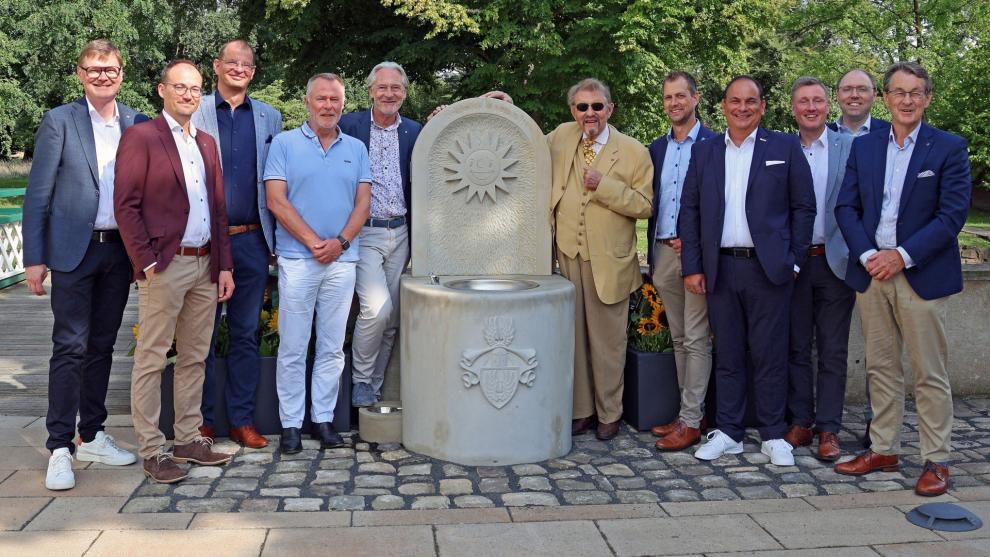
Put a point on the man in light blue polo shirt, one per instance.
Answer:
(318, 183)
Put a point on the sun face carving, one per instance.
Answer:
(480, 165)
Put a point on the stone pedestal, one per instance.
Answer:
(487, 368)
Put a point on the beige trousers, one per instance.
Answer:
(895, 318)
(687, 315)
(599, 345)
(179, 302)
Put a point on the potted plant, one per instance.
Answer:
(651, 395)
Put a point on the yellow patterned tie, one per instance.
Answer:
(589, 151)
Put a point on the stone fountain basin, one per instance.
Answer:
(492, 284)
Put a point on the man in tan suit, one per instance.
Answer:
(602, 183)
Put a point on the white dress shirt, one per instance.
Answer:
(600, 141)
(895, 171)
(817, 156)
(106, 135)
(197, 232)
(735, 227)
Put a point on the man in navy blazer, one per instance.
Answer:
(687, 313)
(384, 246)
(822, 304)
(243, 128)
(855, 94)
(903, 202)
(745, 225)
(69, 227)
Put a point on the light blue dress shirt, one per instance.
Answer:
(675, 165)
(863, 130)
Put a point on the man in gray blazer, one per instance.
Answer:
(243, 128)
(821, 306)
(69, 227)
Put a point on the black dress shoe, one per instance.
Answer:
(291, 440)
(328, 438)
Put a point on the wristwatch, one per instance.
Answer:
(344, 244)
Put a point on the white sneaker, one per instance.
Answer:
(103, 449)
(717, 445)
(60, 474)
(779, 452)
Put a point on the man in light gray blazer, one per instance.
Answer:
(822, 303)
(69, 227)
(243, 128)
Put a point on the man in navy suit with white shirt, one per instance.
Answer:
(902, 204)
(746, 219)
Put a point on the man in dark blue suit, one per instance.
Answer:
(745, 225)
(687, 313)
(903, 202)
(69, 227)
(384, 246)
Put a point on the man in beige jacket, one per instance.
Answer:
(602, 183)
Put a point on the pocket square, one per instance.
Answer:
(774, 163)
(926, 174)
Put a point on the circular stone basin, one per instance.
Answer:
(491, 285)
(384, 409)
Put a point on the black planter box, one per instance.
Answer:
(651, 395)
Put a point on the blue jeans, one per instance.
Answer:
(243, 311)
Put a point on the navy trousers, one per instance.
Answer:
(821, 308)
(750, 317)
(250, 254)
(88, 305)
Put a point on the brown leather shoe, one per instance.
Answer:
(248, 436)
(828, 447)
(798, 436)
(162, 469)
(664, 429)
(681, 438)
(934, 480)
(199, 452)
(868, 462)
(607, 431)
(206, 431)
(581, 425)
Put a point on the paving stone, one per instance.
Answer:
(415, 479)
(415, 469)
(346, 503)
(248, 471)
(681, 495)
(603, 483)
(725, 461)
(796, 478)
(192, 490)
(213, 505)
(473, 502)
(696, 470)
(799, 490)
(337, 464)
(534, 483)
(830, 475)
(587, 497)
(758, 492)
(340, 452)
(417, 489)
(616, 470)
(308, 455)
(561, 464)
(602, 460)
(363, 458)
(305, 504)
(237, 484)
(658, 474)
(370, 491)
(331, 477)
(735, 469)
(711, 481)
(151, 489)
(376, 468)
(461, 486)
(566, 475)
(285, 480)
(881, 486)
(650, 464)
(328, 490)
(398, 454)
(255, 458)
(841, 489)
(493, 485)
(280, 492)
(147, 505)
(680, 459)
(388, 502)
(637, 452)
(529, 499)
(756, 458)
(580, 458)
(637, 496)
(747, 478)
(236, 494)
(857, 527)
(719, 494)
(258, 505)
(574, 485)
(453, 470)
(292, 466)
(490, 472)
(210, 472)
(529, 470)
(374, 481)
(362, 447)
(431, 502)
(588, 469)
(629, 483)
(672, 484)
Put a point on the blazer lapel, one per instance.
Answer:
(834, 154)
(879, 170)
(210, 160)
(918, 157)
(261, 137)
(165, 135)
(718, 167)
(609, 154)
(759, 159)
(84, 127)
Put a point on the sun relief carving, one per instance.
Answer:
(480, 164)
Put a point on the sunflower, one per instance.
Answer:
(273, 322)
(135, 330)
(658, 310)
(648, 326)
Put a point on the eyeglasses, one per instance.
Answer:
(583, 107)
(849, 89)
(898, 94)
(181, 89)
(93, 72)
(237, 64)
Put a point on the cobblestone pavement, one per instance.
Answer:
(627, 469)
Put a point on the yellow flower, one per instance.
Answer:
(273, 322)
(265, 316)
(648, 326)
(135, 330)
(657, 312)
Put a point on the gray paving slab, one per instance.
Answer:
(861, 551)
(219, 543)
(574, 539)
(970, 548)
(15, 512)
(101, 513)
(848, 527)
(393, 541)
(674, 536)
(66, 544)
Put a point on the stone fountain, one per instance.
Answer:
(487, 342)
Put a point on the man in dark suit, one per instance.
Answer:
(687, 313)
(746, 217)
(384, 245)
(169, 203)
(855, 94)
(69, 227)
(903, 202)
(822, 304)
(243, 128)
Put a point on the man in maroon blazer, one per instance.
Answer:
(169, 205)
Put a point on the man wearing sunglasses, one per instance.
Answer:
(69, 227)
(602, 182)
(169, 203)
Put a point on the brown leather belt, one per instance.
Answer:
(816, 250)
(197, 252)
(242, 228)
(667, 241)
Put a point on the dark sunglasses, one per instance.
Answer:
(583, 107)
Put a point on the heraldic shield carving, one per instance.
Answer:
(499, 369)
